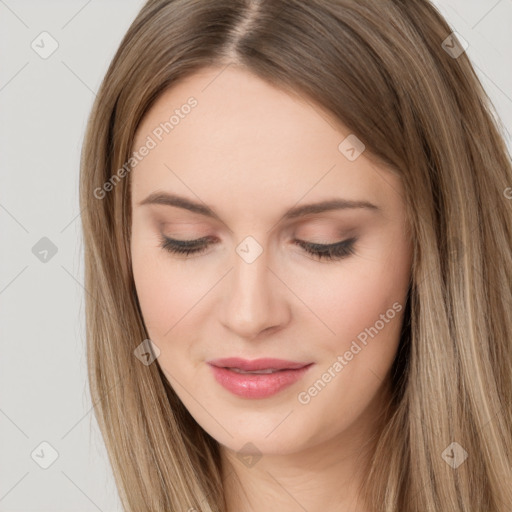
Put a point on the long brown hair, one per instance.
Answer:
(388, 70)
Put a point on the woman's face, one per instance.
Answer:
(254, 156)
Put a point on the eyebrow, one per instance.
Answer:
(164, 198)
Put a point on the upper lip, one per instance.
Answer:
(256, 364)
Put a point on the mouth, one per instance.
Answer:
(260, 378)
(257, 372)
(256, 365)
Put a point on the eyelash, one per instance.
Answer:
(330, 252)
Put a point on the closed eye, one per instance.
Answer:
(335, 251)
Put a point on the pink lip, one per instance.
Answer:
(257, 385)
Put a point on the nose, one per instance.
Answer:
(255, 299)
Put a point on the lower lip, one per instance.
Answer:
(252, 385)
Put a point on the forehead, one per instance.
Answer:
(237, 109)
(244, 142)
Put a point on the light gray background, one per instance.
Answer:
(44, 104)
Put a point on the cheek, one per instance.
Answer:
(363, 309)
(354, 299)
(163, 291)
(361, 301)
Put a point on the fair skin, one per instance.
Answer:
(251, 152)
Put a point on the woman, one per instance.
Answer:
(298, 253)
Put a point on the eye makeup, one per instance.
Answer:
(331, 252)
